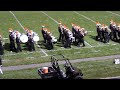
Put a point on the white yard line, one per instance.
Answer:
(58, 22)
(84, 17)
(116, 77)
(17, 19)
(88, 44)
(24, 30)
(50, 17)
(112, 13)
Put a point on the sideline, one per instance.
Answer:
(20, 67)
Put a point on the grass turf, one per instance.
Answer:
(90, 69)
(35, 19)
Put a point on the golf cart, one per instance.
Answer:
(55, 72)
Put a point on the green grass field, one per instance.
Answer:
(90, 69)
(35, 19)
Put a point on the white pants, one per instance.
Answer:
(1, 70)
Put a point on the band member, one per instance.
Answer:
(118, 28)
(60, 29)
(11, 38)
(43, 30)
(18, 42)
(115, 32)
(111, 23)
(74, 31)
(99, 31)
(49, 44)
(80, 37)
(31, 43)
(67, 40)
(106, 34)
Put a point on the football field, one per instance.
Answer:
(18, 20)
(34, 21)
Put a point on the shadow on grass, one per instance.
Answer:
(93, 37)
(117, 41)
(59, 45)
(7, 46)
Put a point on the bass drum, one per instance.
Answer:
(23, 38)
(36, 38)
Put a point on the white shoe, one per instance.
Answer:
(1, 71)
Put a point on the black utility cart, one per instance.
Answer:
(55, 71)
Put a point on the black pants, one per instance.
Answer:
(81, 40)
(60, 37)
(18, 47)
(67, 43)
(31, 47)
(12, 46)
(44, 37)
(49, 45)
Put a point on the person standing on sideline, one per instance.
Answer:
(1, 53)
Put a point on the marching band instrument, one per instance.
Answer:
(53, 39)
(36, 38)
(23, 38)
(71, 36)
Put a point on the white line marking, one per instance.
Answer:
(17, 19)
(58, 22)
(113, 13)
(88, 44)
(44, 52)
(88, 52)
(50, 17)
(116, 77)
(84, 16)
(24, 30)
(89, 31)
(5, 38)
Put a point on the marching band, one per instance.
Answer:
(30, 38)
(105, 33)
(66, 37)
